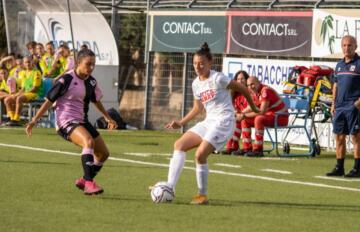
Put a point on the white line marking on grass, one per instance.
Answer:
(337, 178)
(191, 168)
(145, 154)
(278, 158)
(276, 171)
(227, 165)
(137, 154)
(186, 161)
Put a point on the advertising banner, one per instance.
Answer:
(329, 26)
(51, 26)
(269, 71)
(273, 73)
(186, 33)
(269, 33)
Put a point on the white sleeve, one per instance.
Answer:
(195, 93)
(222, 80)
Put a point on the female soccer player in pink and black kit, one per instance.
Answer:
(72, 94)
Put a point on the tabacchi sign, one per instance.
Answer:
(269, 33)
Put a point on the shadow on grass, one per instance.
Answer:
(33, 162)
(223, 203)
(307, 206)
(147, 144)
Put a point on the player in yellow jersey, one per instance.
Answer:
(48, 67)
(14, 72)
(31, 89)
(66, 60)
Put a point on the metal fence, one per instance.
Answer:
(168, 92)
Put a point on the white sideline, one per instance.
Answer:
(338, 178)
(227, 165)
(191, 168)
(276, 171)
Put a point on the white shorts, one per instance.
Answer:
(215, 131)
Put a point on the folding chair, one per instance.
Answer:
(299, 111)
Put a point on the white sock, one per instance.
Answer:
(177, 163)
(202, 173)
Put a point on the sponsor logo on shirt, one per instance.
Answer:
(92, 82)
(352, 68)
(207, 95)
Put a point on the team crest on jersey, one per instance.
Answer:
(352, 68)
(92, 82)
(207, 95)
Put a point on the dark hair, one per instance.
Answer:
(84, 53)
(18, 56)
(84, 46)
(50, 43)
(246, 75)
(204, 51)
(31, 44)
(3, 67)
(64, 46)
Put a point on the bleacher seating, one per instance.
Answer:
(141, 5)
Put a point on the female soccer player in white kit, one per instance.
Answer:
(211, 91)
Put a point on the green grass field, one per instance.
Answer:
(37, 190)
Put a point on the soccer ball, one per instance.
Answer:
(162, 193)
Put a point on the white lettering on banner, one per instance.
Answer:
(268, 29)
(186, 28)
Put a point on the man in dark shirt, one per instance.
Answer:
(346, 106)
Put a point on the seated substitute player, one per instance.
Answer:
(49, 68)
(31, 89)
(269, 103)
(7, 84)
(211, 91)
(66, 60)
(72, 95)
(240, 104)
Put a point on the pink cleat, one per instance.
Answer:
(80, 183)
(92, 188)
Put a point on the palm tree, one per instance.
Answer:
(325, 32)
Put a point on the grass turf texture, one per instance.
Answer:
(38, 194)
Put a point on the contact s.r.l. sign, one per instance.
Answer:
(269, 33)
(187, 31)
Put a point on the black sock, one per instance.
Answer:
(357, 164)
(88, 163)
(96, 169)
(340, 163)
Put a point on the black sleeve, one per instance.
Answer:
(91, 84)
(59, 88)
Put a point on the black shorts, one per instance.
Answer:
(66, 131)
